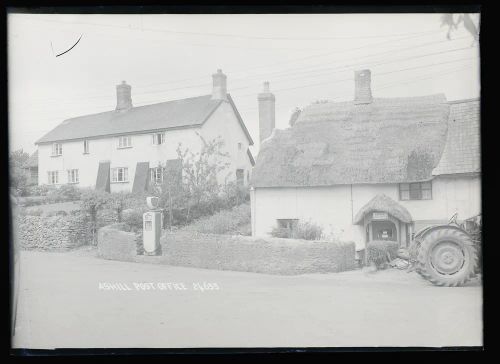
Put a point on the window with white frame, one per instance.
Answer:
(86, 147)
(53, 177)
(125, 141)
(157, 175)
(415, 191)
(119, 174)
(56, 149)
(158, 138)
(73, 176)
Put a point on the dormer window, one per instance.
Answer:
(158, 138)
(56, 149)
(125, 142)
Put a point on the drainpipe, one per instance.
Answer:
(252, 209)
(352, 208)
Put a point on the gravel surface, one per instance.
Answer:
(66, 300)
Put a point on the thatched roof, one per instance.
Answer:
(462, 153)
(387, 141)
(383, 203)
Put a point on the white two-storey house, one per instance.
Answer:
(124, 149)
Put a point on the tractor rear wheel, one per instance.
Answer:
(447, 257)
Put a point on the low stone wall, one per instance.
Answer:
(114, 244)
(52, 232)
(237, 253)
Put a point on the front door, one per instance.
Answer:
(384, 230)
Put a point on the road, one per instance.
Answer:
(64, 303)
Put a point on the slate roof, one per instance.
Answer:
(390, 140)
(184, 113)
(462, 153)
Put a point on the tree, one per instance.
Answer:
(295, 115)
(117, 201)
(91, 202)
(449, 21)
(190, 182)
(19, 177)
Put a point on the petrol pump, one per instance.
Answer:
(152, 224)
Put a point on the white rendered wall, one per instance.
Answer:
(334, 207)
(222, 122)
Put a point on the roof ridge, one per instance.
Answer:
(461, 101)
(136, 107)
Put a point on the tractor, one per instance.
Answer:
(447, 255)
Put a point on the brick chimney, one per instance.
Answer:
(362, 87)
(219, 91)
(266, 112)
(123, 97)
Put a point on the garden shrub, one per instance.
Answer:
(64, 193)
(381, 252)
(280, 232)
(56, 213)
(33, 211)
(122, 226)
(305, 230)
(41, 190)
(233, 221)
(133, 218)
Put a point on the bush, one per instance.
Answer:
(64, 193)
(279, 232)
(33, 211)
(57, 213)
(33, 200)
(234, 221)
(305, 230)
(41, 190)
(381, 252)
(121, 226)
(133, 218)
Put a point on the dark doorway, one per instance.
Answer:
(384, 230)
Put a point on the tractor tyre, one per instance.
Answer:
(447, 257)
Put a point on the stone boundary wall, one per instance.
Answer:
(236, 253)
(52, 232)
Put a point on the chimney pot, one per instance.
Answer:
(219, 90)
(123, 97)
(362, 87)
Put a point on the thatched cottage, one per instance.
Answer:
(371, 168)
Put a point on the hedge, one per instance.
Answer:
(237, 253)
(381, 252)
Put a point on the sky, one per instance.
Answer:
(304, 57)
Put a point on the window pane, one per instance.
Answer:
(404, 186)
(426, 185)
(405, 195)
(415, 194)
(426, 194)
